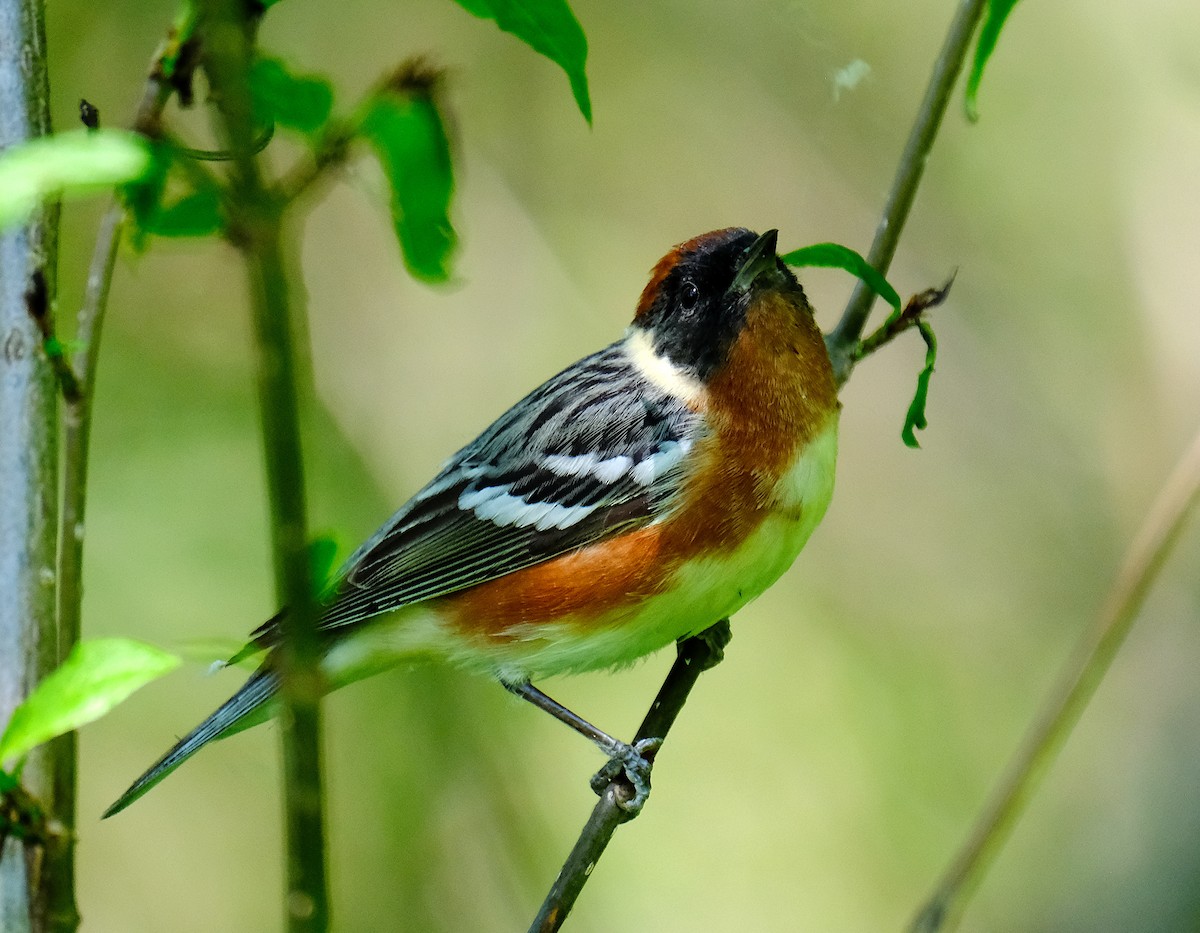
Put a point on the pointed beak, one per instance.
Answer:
(759, 258)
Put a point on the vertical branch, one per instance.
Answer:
(177, 57)
(36, 888)
(77, 421)
(255, 227)
(844, 338)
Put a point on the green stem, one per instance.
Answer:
(843, 339)
(256, 229)
(77, 421)
(277, 383)
(1070, 695)
(77, 425)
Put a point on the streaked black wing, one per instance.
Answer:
(595, 451)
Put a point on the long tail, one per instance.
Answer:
(231, 717)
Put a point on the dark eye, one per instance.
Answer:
(689, 296)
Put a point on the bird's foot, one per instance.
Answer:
(633, 762)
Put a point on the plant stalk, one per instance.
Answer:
(256, 215)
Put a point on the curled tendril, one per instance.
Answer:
(228, 155)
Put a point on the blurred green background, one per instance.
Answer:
(819, 779)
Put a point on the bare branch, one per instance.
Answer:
(843, 339)
(694, 656)
(1070, 695)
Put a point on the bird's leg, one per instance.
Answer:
(634, 760)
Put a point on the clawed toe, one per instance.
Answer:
(634, 763)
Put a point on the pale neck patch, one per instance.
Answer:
(658, 369)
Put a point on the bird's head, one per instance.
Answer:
(702, 293)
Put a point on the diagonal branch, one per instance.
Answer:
(694, 656)
(1065, 704)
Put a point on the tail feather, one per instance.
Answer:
(231, 717)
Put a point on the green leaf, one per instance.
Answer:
(212, 652)
(915, 419)
(195, 214)
(408, 136)
(989, 33)
(322, 551)
(298, 102)
(143, 198)
(95, 677)
(549, 28)
(68, 164)
(836, 256)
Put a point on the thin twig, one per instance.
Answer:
(77, 423)
(911, 316)
(173, 58)
(255, 228)
(843, 339)
(695, 655)
(330, 151)
(37, 302)
(1070, 695)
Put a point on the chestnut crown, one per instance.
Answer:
(695, 304)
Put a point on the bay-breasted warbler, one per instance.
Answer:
(642, 494)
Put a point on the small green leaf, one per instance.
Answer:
(410, 140)
(989, 33)
(143, 198)
(95, 677)
(298, 102)
(836, 256)
(322, 551)
(212, 652)
(195, 214)
(68, 164)
(915, 419)
(549, 28)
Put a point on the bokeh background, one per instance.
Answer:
(819, 779)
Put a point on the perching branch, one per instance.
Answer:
(694, 656)
(1066, 701)
(843, 340)
(255, 218)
